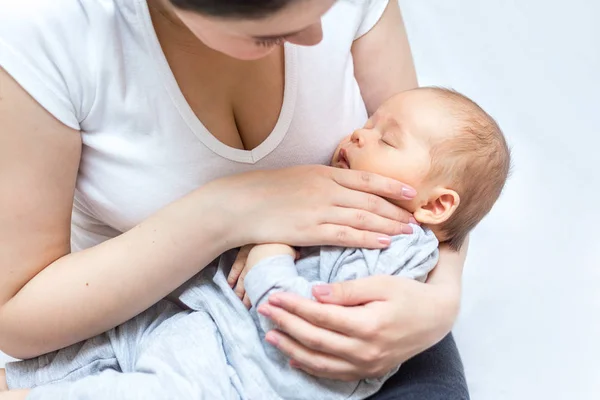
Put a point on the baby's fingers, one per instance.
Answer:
(235, 272)
(246, 301)
(239, 289)
(238, 265)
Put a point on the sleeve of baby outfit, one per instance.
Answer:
(40, 43)
(411, 256)
(271, 275)
(373, 10)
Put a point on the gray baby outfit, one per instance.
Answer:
(202, 343)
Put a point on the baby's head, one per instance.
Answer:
(442, 144)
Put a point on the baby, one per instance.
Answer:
(205, 343)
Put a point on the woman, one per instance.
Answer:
(117, 114)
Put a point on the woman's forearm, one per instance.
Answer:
(447, 276)
(86, 293)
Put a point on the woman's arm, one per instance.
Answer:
(388, 319)
(383, 62)
(50, 298)
(393, 72)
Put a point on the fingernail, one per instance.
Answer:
(294, 364)
(272, 338)
(264, 310)
(274, 300)
(384, 240)
(407, 229)
(322, 290)
(412, 220)
(409, 193)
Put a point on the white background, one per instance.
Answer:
(530, 320)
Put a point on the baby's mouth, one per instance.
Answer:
(343, 159)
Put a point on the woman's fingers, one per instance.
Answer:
(373, 183)
(346, 375)
(354, 292)
(368, 221)
(319, 364)
(300, 317)
(340, 235)
(374, 204)
(311, 336)
(358, 327)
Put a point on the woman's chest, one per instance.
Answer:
(238, 101)
(144, 150)
(145, 145)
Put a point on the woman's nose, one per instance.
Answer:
(310, 36)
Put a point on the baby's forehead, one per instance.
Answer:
(421, 98)
(422, 110)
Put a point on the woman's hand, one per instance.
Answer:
(369, 326)
(311, 205)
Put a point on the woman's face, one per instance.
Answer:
(250, 39)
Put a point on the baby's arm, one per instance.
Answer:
(261, 252)
(272, 269)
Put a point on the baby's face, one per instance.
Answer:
(396, 141)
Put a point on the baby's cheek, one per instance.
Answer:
(335, 156)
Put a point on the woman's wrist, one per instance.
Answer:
(217, 214)
(225, 208)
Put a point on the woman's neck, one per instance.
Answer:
(171, 31)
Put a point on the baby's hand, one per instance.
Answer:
(247, 258)
(262, 251)
(235, 278)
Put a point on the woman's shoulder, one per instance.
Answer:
(56, 28)
(51, 18)
(52, 48)
(37, 41)
(354, 18)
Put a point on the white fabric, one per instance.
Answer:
(530, 320)
(98, 66)
(529, 324)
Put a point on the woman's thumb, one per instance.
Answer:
(351, 293)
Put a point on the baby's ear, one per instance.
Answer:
(440, 207)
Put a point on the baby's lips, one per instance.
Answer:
(343, 157)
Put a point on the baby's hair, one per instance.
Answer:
(476, 160)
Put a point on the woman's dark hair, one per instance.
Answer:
(233, 8)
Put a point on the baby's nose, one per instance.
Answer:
(363, 136)
(357, 137)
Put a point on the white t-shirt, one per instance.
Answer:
(97, 66)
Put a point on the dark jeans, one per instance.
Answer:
(435, 374)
